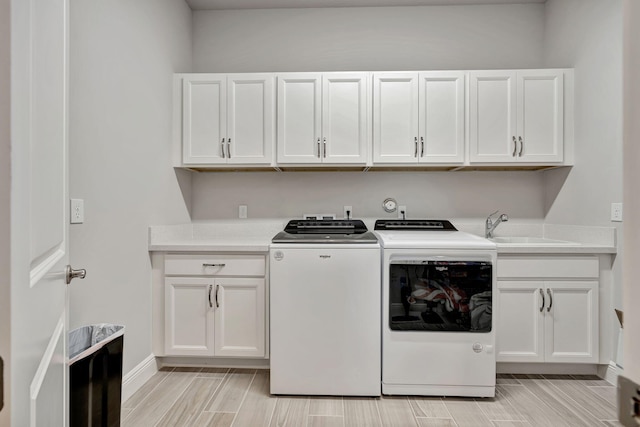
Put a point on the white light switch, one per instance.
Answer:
(242, 211)
(77, 211)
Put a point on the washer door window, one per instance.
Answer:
(440, 296)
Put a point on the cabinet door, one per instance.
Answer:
(540, 116)
(441, 117)
(240, 319)
(189, 317)
(395, 118)
(299, 115)
(204, 117)
(571, 323)
(345, 135)
(250, 121)
(492, 117)
(520, 334)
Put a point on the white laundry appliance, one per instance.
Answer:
(325, 302)
(438, 310)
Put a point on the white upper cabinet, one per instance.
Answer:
(516, 116)
(322, 118)
(395, 117)
(227, 119)
(418, 117)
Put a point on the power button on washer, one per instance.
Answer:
(477, 347)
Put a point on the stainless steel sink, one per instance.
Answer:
(531, 241)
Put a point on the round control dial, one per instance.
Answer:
(390, 205)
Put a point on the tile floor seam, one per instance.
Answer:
(170, 405)
(576, 402)
(243, 398)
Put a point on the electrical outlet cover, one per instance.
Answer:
(76, 213)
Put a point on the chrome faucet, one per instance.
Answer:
(490, 225)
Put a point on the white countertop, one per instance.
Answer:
(254, 235)
(215, 236)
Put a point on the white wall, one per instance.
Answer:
(123, 56)
(334, 39)
(426, 194)
(375, 38)
(587, 35)
(5, 186)
(631, 180)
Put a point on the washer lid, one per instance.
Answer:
(447, 239)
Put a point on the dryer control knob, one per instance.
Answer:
(477, 347)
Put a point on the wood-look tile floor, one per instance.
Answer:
(240, 397)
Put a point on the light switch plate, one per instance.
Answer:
(242, 211)
(77, 211)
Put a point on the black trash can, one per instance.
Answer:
(95, 375)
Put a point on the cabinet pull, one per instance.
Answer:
(324, 146)
(222, 147)
(543, 300)
(550, 300)
(318, 147)
(515, 146)
(422, 146)
(521, 146)
(213, 265)
(217, 289)
(229, 148)
(415, 153)
(210, 304)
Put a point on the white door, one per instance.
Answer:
(239, 317)
(520, 311)
(204, 118)
(540, 116)
(441, 117)
(571, 323)
(299, 115)
(39, 209)
(345, 135)
(250, 118)
(492, 116)
(395, 118)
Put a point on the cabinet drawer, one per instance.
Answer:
(577, 267)
(214, 265)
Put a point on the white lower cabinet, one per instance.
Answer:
(214, 315)
(548, 309)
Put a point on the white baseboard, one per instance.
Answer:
(135, 378)
(610, 372)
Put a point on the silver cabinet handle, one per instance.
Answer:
(210, 287)
(521, 146)
(229, 148)
(213, 265)
(550, 300)
(415, 153)
(515, 146)
(422, 146)
(318, 147)
(217, 289)
(71, 274)
(324, 146)
(222, 147)
(543, 300)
